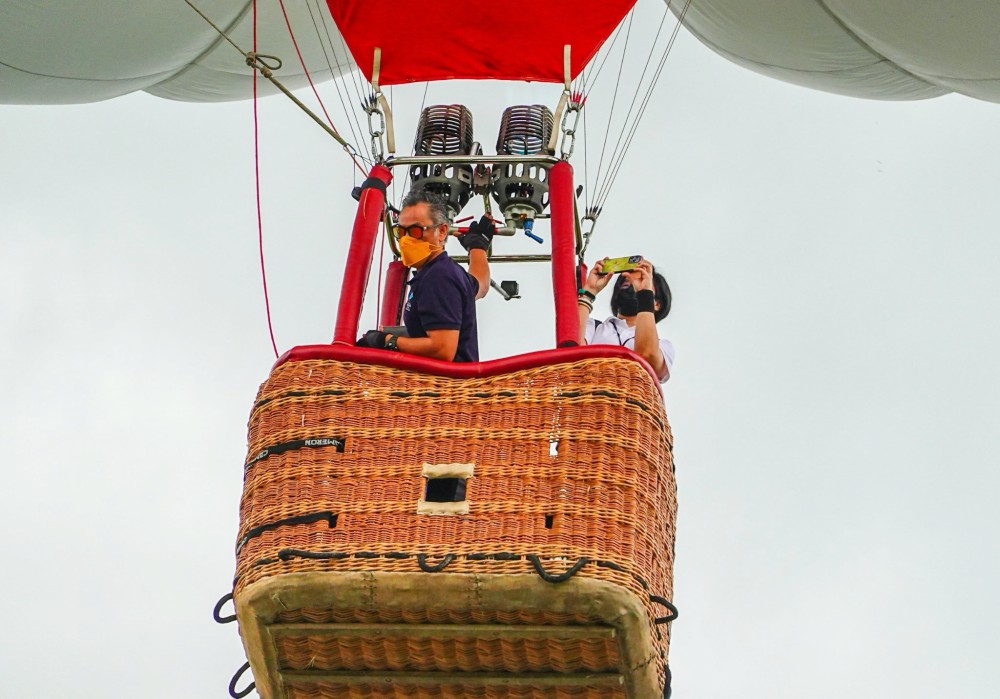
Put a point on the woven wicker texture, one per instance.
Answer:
(334, 691)
(571, 468)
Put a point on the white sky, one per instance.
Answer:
(834, 400)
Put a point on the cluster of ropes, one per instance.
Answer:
(351, 87)
(596, 191)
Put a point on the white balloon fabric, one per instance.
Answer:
(59, 52)
(56, 51)
(879, 49)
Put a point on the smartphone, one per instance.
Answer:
(620, 264)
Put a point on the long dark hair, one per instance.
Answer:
(661, 290)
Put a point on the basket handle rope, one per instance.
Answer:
(422, 562)
(666, 603)
(228, 597)
(561, 577)
(236, 678)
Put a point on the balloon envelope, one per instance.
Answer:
(55, 52)
(450, 39)
(880, 49)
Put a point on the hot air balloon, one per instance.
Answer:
(544, 568)
(503, 528)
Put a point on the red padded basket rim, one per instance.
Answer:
(463, 370)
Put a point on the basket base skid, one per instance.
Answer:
(578, 613)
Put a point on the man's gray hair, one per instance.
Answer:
(437, 205)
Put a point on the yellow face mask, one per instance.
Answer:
(414, 250)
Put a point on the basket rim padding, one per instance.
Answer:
(464, 370)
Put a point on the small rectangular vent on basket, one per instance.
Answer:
(445, 489)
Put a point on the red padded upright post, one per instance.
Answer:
(366, 223)
(564, 269)
(392, 294)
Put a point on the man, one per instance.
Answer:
(641, 299)
(440, 312)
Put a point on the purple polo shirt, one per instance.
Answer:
(443, 297)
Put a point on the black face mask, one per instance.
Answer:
(623, 299)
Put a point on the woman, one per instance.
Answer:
(640, 299)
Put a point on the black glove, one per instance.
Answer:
(479, 236)
(372, 338)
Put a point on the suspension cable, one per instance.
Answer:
(635, 96)
(341, 69)
(583, 85)
(260, 224)
(260, 63)
(604, 59)
(614, 98)
(381, 266)
(586, 175)
(354, 79)
(360, 89)
(647, 98)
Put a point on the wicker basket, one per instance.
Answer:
(405, 534)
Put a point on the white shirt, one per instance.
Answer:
(615, 331)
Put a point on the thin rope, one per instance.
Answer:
(423, 100)
(635, 96)
(649, 93)
(350, 69)
(614, 98)
(392, 108)
(260, 223)
(584, 84)
(351, 122)
(381, 261)
(586, 176)
(604, 59)
(359, 87)
(305, 70)
(257, 63)
(222, 33)
(407, 182)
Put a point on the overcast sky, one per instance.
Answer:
(834, 401)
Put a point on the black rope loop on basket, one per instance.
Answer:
(236, 678)
(666, 603)
(288, 554)
(561, 577)
(228, 597)
(328, 516)
(422, 562)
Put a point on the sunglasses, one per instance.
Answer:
(414, 230)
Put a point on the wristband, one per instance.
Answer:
(646, 300)
(584, 292)
(390, 343)
(584, 302)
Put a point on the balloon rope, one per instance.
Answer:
(381, 262)
(258, 63)
(352, 119)
(256, 165)
(305, 70)
(645, 102)
(628, 112)
(618, 82)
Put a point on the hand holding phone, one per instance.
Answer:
(620, 264)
